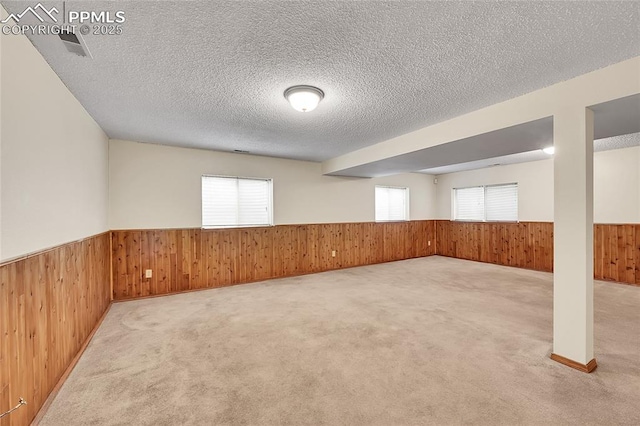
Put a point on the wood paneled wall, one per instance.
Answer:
(616, 252)
(530, 245)
(50, 303)
(525, 244)
(189, 259)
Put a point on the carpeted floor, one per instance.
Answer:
(423, 341)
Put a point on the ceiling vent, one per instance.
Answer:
(74, 43)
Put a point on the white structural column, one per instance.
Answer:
(573, 238)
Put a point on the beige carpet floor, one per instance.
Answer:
(423, 341)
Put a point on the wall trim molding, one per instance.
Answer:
(585, 368)
(11, 260)
(199, 228)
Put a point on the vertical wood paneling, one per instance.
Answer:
(617, 252)
(191, 259)
(49, 304)
(637, 255)
(529, 245)
(524, 244)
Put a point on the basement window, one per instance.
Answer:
(229, 202)
(488, 203)
(392, 204)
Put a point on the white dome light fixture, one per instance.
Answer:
(549, 150)
(304, 98)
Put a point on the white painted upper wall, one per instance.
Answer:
(54, 171)
(535, 188)
(155, 186)
(616, 187)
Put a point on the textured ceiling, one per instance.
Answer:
(524, 137)
(607, 144)
(211, 74)
(616, 125)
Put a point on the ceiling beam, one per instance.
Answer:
(613, 82)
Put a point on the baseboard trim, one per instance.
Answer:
(585, 368)
(54, 392)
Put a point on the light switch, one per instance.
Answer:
(148, 273)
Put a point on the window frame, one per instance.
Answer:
(270, 206)
(407, 202)
(484, 219)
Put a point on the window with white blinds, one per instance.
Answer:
(469, 203)
(491, 203)
(235, 202)
(392, 204)
(501, 202)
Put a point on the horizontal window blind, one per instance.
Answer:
(486, 203)
(501, 202)
(469, 203)
(392, 204)
(234, 201)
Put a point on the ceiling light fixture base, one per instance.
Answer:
(304, 98)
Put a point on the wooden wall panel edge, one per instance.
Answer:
(199, 228)
(110, 266)
(22, 257)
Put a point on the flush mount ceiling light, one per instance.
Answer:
(549, 150)
(304, 98)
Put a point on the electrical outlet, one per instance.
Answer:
(333, 253)
(148, 273)
(429, 243)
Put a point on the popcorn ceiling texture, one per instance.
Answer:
(212, 74)
(617, 142)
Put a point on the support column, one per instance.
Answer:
(573, 239)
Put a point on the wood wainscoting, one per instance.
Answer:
(50, 303)
(524, 244)
(616, 252)
(189, 259)
(530, 245)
